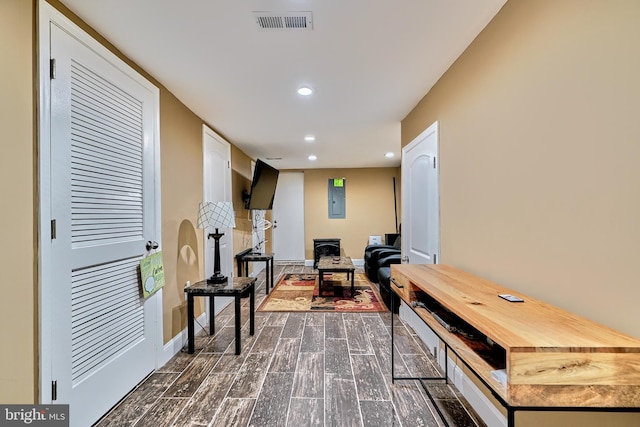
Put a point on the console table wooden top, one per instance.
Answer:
(531, 325)
(553, 357)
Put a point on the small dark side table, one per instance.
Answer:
(244, 258)
(238, 287)
(329, 264)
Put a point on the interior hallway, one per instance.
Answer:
(298, 369)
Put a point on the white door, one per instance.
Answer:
(288, 217)
(102, 212)
(217, 188)
(420, 199)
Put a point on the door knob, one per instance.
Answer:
(151, 245)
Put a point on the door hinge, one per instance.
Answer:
(435, 258)
(54, 390)
(228, 164)
(52, 68)
(434, 162)
(53, 229)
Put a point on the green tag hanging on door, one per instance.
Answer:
(152, 274)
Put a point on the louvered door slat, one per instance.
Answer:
(96, 276)
(86, 132)
(97, 166)
(85, 184)
(97, 227)
(92, 144)
(104, 294)
(86, 335)
(129, 159)
(127, 165)
(96, 325)
(85, 76)
(105, 349)
(90, 118)
(84, 178)
(111, 103)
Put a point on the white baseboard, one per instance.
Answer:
(176, 344)
(489, 413)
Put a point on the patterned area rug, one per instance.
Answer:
(299, 292)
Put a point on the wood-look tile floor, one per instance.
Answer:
(298, 369)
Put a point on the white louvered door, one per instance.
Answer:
(102, 173)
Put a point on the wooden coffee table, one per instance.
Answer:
(335, 264)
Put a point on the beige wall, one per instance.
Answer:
(539, 157)
(18, 305)
(181, 179)
(369, 207)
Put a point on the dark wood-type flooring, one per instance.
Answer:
(298, 369)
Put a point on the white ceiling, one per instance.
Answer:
(369, 61)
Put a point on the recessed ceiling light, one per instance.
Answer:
(309, 138)
(389, 155)
(305, 91)
(312, 157)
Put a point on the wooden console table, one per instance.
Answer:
(551, 360)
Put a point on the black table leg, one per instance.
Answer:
(252, 304)
(190, 337)
(266, 279)
(238, 323)
(212, 310)
(352, 284)
(271, 262)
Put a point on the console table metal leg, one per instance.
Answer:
(393, 376)
(190, 334)
(446, 364)
(238, 323)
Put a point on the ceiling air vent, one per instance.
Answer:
(284, 20)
